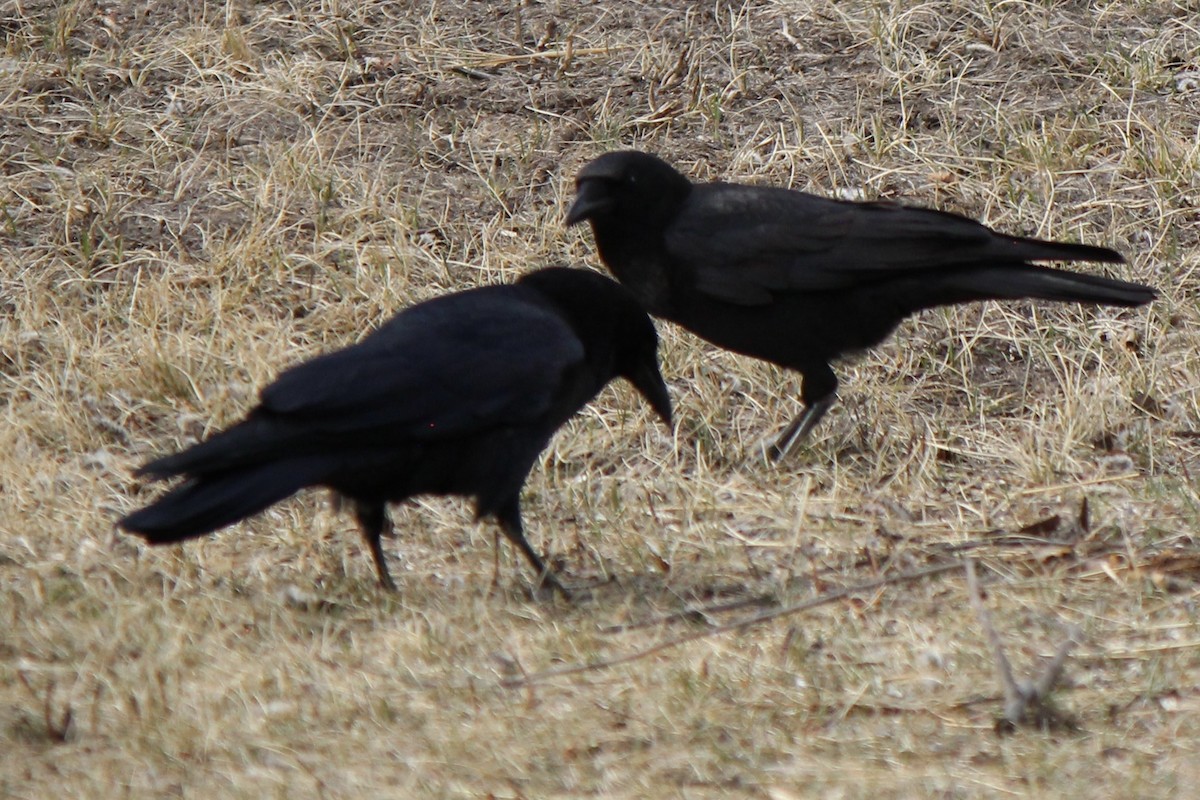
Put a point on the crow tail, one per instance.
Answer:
(1045, 283)
(208, 503)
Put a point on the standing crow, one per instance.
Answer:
(454, 396)
(799, 280)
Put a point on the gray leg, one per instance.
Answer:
(819, 393)
(374, 521)
(509, 517)
(800, 427)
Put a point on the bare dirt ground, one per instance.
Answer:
(196, 195)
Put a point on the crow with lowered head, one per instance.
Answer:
(454, 396)
(799, 280)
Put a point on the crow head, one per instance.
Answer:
(637, 189)
(619, 338)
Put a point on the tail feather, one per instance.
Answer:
(251, 442)
(1043, 283)
(205, 504)
(1042, 250)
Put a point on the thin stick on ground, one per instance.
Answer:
(701, 613)
(1025, 702)
(694, 614)
(825, 599)
(566, 53)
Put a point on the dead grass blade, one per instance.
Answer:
(565, 54)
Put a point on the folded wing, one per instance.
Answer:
(451, 367)
(746, 243)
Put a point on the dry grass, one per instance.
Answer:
(196, 195)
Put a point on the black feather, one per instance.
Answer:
(799, 280)
(457, 395)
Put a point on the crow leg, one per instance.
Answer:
(799, 428)
(819, 393)
(509, 517)
(374, 522)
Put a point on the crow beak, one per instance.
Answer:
(649, 381)
(590, 199)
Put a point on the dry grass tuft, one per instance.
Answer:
(197, 195)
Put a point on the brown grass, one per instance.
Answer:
(197, 195)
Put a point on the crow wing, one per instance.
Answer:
(449, 367)
(746, 243)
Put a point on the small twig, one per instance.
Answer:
(1054, 670)
(1062, 487)
(701, 613)
(825, 599)
(696, 613)
(1012, 692)
(567, 53)
(1025, 702)
(59, 729)
(470, 72)
(787, 34)
(1007, 540)
(1141, 652)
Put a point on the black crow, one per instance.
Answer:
(799, 280)
(454, 396)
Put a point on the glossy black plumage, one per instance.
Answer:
(456, 396)
(799, 280)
